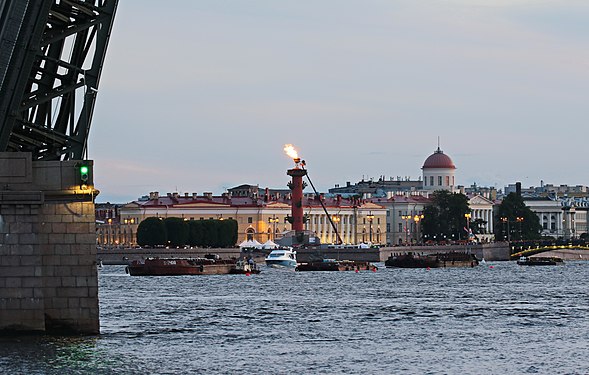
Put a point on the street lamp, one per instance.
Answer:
(467, 216)
(127, 239)
(520, 220)
(273, 220)
(336, 219)
(406, 218)
(417, 219)
(110, 237)
(505, 220)
(370, 217)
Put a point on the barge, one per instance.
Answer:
(188, 266)
(336, 265)
(539, 261)
(439, 260)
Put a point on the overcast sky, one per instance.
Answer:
(202, 95)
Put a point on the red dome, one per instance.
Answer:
(438, 160)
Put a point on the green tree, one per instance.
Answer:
(478, 226)
(227, 235)
(177, 230)
(195, 233)
(515, 220)
(210, 233)
(152, 232)
(444, 219)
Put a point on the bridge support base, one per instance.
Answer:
(48, 276)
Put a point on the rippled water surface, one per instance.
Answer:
(495, 319)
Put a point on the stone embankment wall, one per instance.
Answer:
(493, 251)
(48, 277)
(489, 251)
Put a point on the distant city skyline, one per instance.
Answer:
(202, 96)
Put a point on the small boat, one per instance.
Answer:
(188, 266)
(439, 260)
(282, 258)
(539, 261)
(336, 265)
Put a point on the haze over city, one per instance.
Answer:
(203, 96)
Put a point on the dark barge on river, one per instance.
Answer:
(438, 260)
(189, 266)
(336, 265)
(539, 261)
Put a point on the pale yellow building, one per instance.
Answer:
(266, 218)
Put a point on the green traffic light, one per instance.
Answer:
(84, 169)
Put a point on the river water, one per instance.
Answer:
(498, 318)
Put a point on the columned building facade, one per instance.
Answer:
(355, 220)
(482, 217)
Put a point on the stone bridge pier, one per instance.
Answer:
(48, 276)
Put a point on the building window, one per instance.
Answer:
(250, 220)
(388, 227)
(447, 180)
(378, 220)
(400, 213)
(388, 213)
(400, 227)
(439, 180)
(431, 180)
(425, 181)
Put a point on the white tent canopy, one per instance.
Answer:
(269, 245)
(250, 244)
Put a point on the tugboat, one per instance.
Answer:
(539, 261)
(282, 258)
(188, 266)
(439, 260)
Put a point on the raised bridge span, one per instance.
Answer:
(51, 57)
(577, 249)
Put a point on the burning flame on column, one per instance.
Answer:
(292, 153)
(296, 187)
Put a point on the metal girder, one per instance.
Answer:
(51, 58)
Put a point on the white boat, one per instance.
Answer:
(282, 258)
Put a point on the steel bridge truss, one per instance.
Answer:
(51, 57)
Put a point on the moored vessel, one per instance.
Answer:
(188, 266)
(282, 258)
(539, 261)
(439, 260)
(336, 265)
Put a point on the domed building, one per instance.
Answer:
(438, 172)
